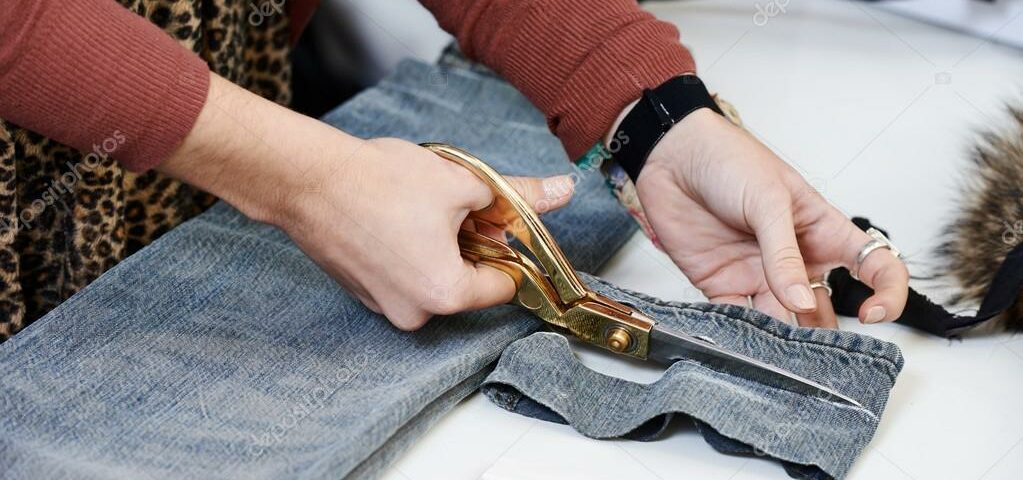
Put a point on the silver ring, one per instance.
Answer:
(822, 283)
(878, 240)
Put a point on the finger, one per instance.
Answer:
(766, 302)
(480, 286)
(889, 279)
(824, 316)
(469, 191)
(544, 194)
(406, 317)
(371, 305)
(485, 228)
(783, 263)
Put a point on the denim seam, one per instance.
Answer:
(811, 343)
(746, 321)
(757, 328)
(821, 347)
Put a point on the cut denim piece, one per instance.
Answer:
(540, 377)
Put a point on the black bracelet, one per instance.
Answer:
(650, 119)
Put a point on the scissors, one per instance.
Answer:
(558, 296)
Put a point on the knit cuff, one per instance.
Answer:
(614, 75)
(97, 77)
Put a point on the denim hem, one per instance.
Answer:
(869, 348)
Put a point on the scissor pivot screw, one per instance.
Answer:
(618, 339)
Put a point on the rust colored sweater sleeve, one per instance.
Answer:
(579, 61)
(83, 71)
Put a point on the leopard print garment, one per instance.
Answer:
(62, 225)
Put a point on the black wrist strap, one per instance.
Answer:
(657, 111)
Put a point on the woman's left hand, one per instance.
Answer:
(740, 223)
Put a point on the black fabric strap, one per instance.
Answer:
(923, 314)
(656, 112)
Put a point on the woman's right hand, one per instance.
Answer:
(379, 216)
(384, 224)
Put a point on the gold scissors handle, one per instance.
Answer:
(554, 293)
(510, 206)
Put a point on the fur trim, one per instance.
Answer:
(990, 220)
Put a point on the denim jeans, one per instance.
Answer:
(221, 351)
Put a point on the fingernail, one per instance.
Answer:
(801, 297)
(875, 314)
(557, 187)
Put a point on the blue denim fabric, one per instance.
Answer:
(221, 351)
(538, 376)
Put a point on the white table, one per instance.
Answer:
(877, 111)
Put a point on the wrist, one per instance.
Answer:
(621, 116)
(617, 123)
(686, 138)
(254, 154)
(652, 116)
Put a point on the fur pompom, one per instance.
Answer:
(990, 220)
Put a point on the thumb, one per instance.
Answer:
(783, 263)
(544, 194)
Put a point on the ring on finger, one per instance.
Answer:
(822, 283)
(878, 240)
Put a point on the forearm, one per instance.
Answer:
(581, 62)
(253, 153)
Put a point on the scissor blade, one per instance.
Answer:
(668, 346)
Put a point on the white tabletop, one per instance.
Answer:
(878, 112)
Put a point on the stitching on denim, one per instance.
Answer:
(758, 328)
(688, 306)
(869, 356)
(814, 344)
